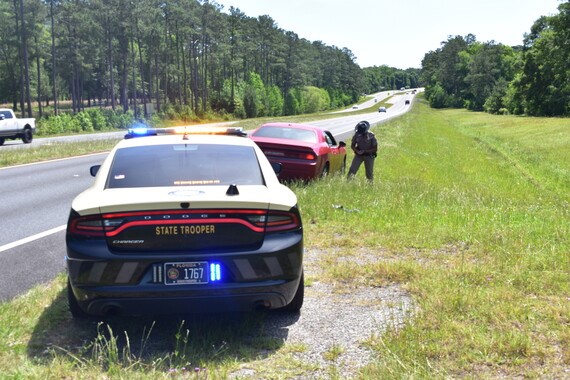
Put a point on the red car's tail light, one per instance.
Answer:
(311, 156)
(307, 156)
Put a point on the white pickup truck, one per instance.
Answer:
(13, 128)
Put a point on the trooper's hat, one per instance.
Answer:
(362, 127)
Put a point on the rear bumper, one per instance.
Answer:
(259, 297)
(105, 283)
(296, 170)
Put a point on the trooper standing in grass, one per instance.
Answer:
(365, 146)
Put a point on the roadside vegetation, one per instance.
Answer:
(101, 121)
(531, 79)
(469, 213)
(190, 58)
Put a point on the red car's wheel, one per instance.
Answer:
(325, 171)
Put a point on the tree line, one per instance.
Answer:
(183, 58)
(189, 59)
(532, 79)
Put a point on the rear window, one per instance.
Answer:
(184, 165)
(287, 133)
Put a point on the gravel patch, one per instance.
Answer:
(332, 327)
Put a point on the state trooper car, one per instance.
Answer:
(184, 220)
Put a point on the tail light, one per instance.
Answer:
(282, 221)
(108, 225)
(85, 226)
(298, 155)
(274, 221)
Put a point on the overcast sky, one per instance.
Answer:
(399, 33)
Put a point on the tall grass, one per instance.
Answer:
(468, 212)
(471, 212)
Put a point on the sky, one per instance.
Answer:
(398, 33)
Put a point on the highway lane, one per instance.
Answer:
(34, 206)
(343, 127)
(36, 197)
(35, 201)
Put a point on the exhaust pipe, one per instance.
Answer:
(111, 310)
(261, 305)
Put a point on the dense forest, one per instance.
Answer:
(192, 59)
(183, 58)
(532, 79)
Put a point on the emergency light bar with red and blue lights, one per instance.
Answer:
(184, 130)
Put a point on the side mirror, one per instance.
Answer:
(277, 166)
(2, 117)
(94, 170)
(342, 144)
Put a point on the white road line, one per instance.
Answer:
(32, 238)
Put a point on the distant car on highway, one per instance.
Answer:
(12, 127)
(407, 101)
(184, 223)
(305, 152)
(354, 107)
(382, 109)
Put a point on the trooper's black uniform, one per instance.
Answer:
(365, 146)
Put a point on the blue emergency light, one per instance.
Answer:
(141, 131)
(215, 272)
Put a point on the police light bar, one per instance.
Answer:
(185, 130)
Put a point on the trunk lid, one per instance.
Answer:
(198, 219)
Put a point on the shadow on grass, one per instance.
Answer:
(164, 341)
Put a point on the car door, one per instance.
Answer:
(335, 155)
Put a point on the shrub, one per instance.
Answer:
(84, 122)
(98, 120)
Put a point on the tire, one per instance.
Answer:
(27, 136)
(74, 309)
(297, 303)
(325, 171)
(2, 139)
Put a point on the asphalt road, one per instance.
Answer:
(35, 201)
(34, 205)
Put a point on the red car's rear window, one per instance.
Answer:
(287, 133)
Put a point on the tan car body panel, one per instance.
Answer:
(94, 200)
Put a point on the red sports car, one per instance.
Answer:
(305, 152)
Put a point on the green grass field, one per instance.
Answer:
(469, 213)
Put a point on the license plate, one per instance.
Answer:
(186, 273)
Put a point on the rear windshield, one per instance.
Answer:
(287, 133)
(184, 165)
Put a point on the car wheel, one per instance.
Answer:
(28, 136)
(297, 303)
(2, 141)
(325, 171)
(74, 308)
